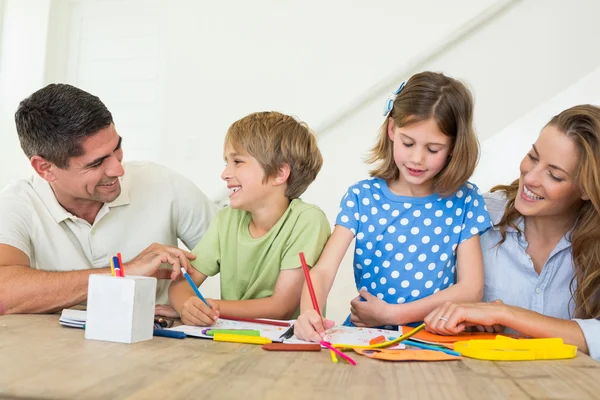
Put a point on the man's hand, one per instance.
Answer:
(195, 312)
(371, 312)
(148, 262)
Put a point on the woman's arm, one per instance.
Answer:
(452, 318)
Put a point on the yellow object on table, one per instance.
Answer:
(508, 349)
(225, 337)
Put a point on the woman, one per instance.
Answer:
(542, 257)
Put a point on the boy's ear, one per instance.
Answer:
(283, 173)
(44, 168)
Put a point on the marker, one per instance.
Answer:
(169, 334)
(223, 337)
(121, 264)
(115, 262)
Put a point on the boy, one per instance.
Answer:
(271, 158)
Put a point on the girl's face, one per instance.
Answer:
(547, 184)
(421, 151)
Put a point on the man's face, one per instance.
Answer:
(93, 175)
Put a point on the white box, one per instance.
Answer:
(120, 309)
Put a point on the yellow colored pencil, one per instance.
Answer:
(112, 267)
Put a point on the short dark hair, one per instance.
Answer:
(53, 122)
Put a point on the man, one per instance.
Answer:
(83, 206)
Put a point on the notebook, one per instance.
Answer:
(73, 318)
(336, 335)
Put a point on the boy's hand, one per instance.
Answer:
(372, 311)
(195, 312)
(311, 327)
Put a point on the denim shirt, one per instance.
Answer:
(510, 275)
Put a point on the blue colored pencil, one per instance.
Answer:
(430, 347)
(193, 285)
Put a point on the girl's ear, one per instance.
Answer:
(391, 129)
(283, 173)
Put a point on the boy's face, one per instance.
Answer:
(248, 189)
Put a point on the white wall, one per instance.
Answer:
(176, 74)
(22, 66)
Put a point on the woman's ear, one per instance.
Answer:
(391, 129)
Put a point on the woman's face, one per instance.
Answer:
(547, 184)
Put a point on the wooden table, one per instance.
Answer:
(41, 359)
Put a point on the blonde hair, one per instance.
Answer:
(581, 124)
(449, 102)
(275, 139)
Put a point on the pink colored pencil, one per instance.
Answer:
(338, 352)
(311, 290)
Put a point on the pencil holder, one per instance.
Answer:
(120, 309)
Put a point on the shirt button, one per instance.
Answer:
(538, 290)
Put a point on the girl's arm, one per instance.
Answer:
(310, 326)
(323, 273)
(468, 288)
(526, 322)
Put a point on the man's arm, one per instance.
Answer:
(27, 290)
(281, 305)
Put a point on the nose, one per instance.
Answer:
(416, 156)
(226, 175)
(115, 168)
(531, 177)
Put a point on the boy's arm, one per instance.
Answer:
(281, 305)
(468, 288)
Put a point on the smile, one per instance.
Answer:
(233, 190)
(530, 195)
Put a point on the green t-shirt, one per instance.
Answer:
(250, 267)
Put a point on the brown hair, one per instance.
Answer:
(275, 139)
(449, 102)
(581, 124)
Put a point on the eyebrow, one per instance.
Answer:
(553, 166)
(428, 144)
(232, 155)
(100, 159)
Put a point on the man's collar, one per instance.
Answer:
(44, 190)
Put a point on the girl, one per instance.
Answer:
(416, 220)
(542, 258)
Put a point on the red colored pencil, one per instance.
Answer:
(311, 290)
(257, 321)
(121, 264)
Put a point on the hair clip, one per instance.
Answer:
(389, 102)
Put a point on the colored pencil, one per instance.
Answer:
(337, 352)
(193, 285)
(311, 290)
(121, 264)
(257, 321)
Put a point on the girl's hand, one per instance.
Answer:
(371, 312)
(453, 318)
(310, 326)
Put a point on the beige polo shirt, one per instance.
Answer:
(155, 205)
